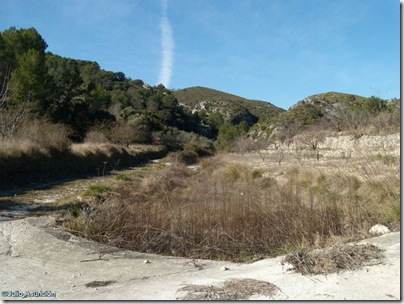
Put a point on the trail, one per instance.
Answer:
(45, 198)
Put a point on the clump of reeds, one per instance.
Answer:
(225, 211)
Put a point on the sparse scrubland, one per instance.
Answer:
(224, 209)
(244, 178)
(40, 151)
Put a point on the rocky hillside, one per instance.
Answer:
(329, 106)
(338, 112)
(232, 107)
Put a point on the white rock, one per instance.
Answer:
(287, 266)
(379, 230)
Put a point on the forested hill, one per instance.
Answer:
(81, 95)
(84, 97)
(39, 85)
(232, 107)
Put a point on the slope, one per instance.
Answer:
(232, 107)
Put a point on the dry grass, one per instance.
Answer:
(334, 259)
(228, 211)
(23, 162)
(235, 289)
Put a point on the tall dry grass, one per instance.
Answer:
(229, 211)
(41, 151)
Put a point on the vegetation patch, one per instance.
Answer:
(225, 211)
(235, 289)
(94, 284)
(334, 259)
(97, 189)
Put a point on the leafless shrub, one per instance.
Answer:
(123, 133)
(10, 118)
(225, 211)
(235, 289)
(96, 137)
(10, 121)
(334, 259)
(44, 134)
(298, 151)
(244, 144)
(184, 157)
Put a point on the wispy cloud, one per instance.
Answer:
(167, 44)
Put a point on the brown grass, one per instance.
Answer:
(226, 211)
(235, 289)
(334, 259)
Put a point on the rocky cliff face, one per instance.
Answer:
(367, 143)
(344, 146)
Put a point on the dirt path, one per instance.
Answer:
(43, 199)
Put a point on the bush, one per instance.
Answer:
(95, 137)
(44, 135)
(184, 157)
(126, 134)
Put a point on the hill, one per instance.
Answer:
(233, 108)
(331, 107)
(334, 111)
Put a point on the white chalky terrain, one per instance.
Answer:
(36, 255)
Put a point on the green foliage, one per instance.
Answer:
(301, 115)
(97, 189)
(215, 120)
(122, 177)
(14, 43)
(228, 133)
(217, 101)
(200, 145)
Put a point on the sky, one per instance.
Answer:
(279, 51)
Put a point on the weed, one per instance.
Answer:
(97, 189)
(257, 173)
(122, 177)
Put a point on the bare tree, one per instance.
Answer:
(311, 140)
(244, 144)
(298, 149)
(280, 155)
(10, 119)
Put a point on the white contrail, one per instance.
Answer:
(167, 44)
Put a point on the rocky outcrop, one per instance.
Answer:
(370, 143)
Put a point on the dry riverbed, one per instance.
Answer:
(36, 254)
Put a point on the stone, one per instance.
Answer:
(379, 230)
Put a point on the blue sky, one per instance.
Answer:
(279, 51)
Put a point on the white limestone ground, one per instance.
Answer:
(35, 255)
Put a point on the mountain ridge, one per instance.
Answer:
(231, 106)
